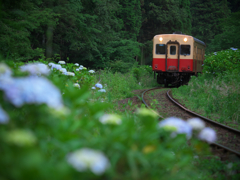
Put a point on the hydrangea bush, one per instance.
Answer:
(222, 61)
(50, 129)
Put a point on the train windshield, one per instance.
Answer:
(185, 50)
(172, 50)
(160, 48)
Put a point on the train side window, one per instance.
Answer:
(172, 50)
(185, 50)
(160, 48)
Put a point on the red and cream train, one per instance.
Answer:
(176, 57)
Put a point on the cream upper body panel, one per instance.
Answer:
(165, 38)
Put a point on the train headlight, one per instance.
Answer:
(160, 39)
(185, 39)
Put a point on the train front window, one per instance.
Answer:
(160, 48)
(185, 50)
(172, 50)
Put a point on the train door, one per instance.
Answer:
(172, 57)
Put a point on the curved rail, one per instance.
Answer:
(210, 121)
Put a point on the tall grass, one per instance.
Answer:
(215, 97)
(120, 85)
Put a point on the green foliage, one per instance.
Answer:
(230, 36)
(219, 62)
(206, 16)
(37, 140)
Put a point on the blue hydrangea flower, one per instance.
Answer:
(208, 134)
(35, 69)
(31, 90)
(98, 85)
(178, 125)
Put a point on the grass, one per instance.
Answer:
(214, 97)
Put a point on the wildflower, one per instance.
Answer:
(20, 137)
(146, 112)
(102, 90)
(98, 85)
(81, 66)
(76, 85)
(63, 70)
(3, 116)
(208, 134)
(76, 64)
(31, 90)
(5, 71)
(180, 126)
(85, 158)
(110, 119)
(93, 88)
(215, 53)
(61, 62)
(196, 123)
(77, 69)
(91, 71)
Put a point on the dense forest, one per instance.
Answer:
(103, 33)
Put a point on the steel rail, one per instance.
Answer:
(211, 121)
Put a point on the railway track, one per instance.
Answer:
(225, 146)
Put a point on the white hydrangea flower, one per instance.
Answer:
(61, 62)
(69, 73)
(178, 125)
(98, 85)
(102, 90)
(63, 70)
(81, 66)
(91, 71)
(5, 71)
(93, 88)
(110, 119)
(4, 118)
(215, 53)
(77, 69)
(76, 64)
(196, 123)
(146, 112)
(208, 134)
(76, 85)
(31, 90)
(87, 159)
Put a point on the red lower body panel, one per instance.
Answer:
(185, 65)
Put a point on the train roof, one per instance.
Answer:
(195, 39)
